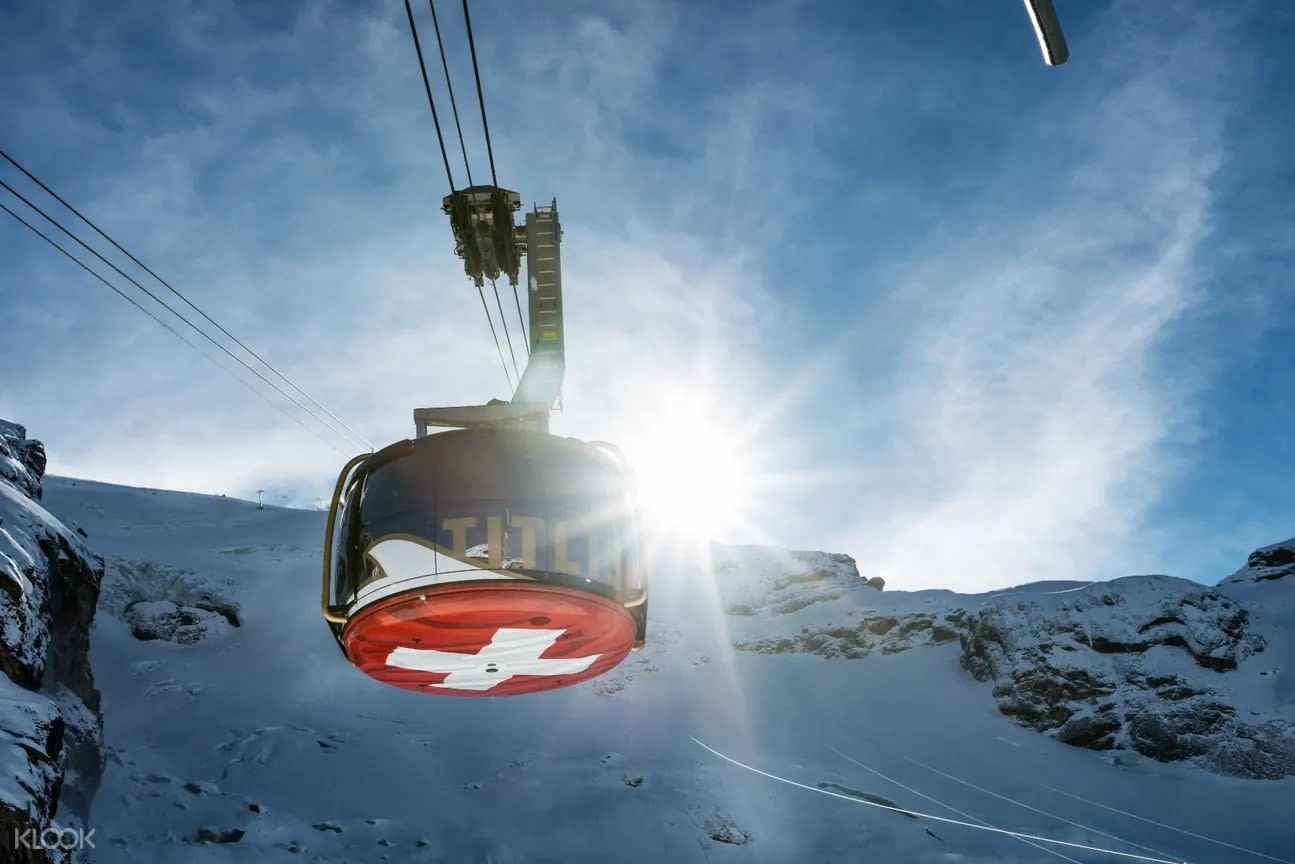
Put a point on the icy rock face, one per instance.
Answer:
(50, 726)
(781, 581)
(818, 603)
(1267, 565)
(887, 634)
(22, 462)
(1143, 663)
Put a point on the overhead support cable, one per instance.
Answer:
(481, 99)
(78, 262)
(169, 308)
(482, 294)
(526, 340)
(427, 87)
(440, 46)
(59, 198)
(490, 152)
(507, 336)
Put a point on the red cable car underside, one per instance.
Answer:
(489, 638)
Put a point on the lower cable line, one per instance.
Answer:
(177, 334)
(323, 421)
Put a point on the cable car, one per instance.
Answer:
(495, 558)
(485, 561)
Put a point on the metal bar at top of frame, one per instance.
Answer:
(1046, 26)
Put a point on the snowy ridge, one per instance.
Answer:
(1266, 564)
(1158, 666)
(257, 742)
(1147, 665)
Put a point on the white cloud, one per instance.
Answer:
(1035, 422)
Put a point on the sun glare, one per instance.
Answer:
(692, 476)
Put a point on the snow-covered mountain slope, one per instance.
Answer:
(237, 732)
(50, 744)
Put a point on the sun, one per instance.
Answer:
(693, 475)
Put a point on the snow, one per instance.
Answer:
(259, 743)
(23, 603)
(25, 722)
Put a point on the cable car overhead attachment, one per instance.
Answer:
(485, 237)
(540, 385)
(1048, 29)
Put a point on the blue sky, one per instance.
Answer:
(971, 319)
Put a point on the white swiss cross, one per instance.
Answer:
(512, 651)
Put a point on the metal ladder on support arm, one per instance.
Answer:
(540, 386)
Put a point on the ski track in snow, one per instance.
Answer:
(1168, 827)
(948, 807)
(1096, 831)
(981, 827)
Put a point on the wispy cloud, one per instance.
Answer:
(982, 399)
(1036, 419)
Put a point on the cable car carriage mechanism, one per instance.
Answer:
(494, 558)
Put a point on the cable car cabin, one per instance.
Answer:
(485, 562)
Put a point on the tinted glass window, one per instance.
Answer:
(507, 500)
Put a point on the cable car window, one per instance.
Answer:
(401, 492)
(553, 508)
(490, 533)
(346, 582)
(585, 539)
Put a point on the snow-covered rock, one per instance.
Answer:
(1142, 663)
(817, 603)
(50, 727)
(173, 604)
(1159, 666)
(769, 580)
(1267, 564)
(22, 461)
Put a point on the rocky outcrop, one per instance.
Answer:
(22, 462)
(886, 634)
(1267, 564)
(818, 603)
(781, 581)
(50, 726)
(1141, 663)
(169, 603)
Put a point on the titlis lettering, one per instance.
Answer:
(53, 839)
(532, 528)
